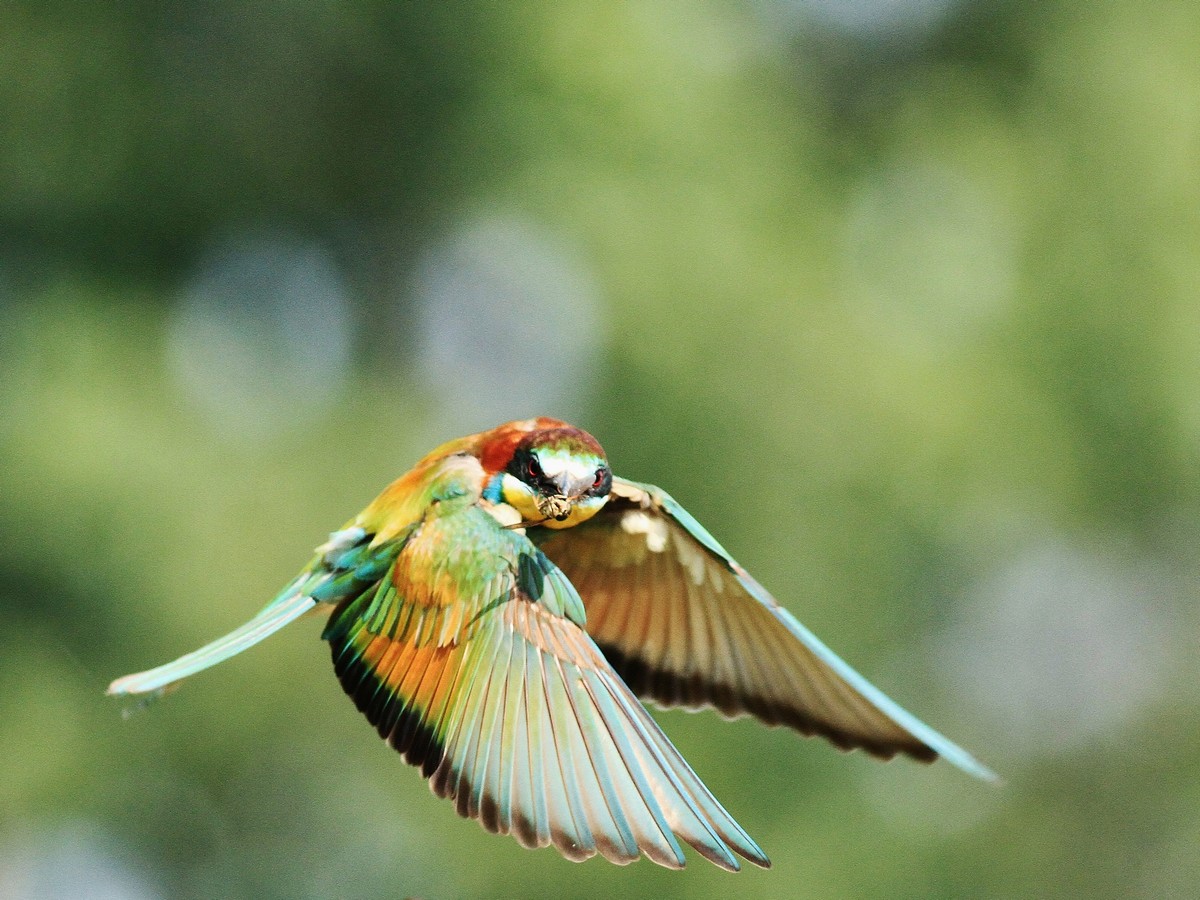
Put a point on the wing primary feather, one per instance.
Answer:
(584, 792)
(347, 649)
(427, 747)
(715, 822)
(700, 656)
(572, 836)
(646, 633)
(440, 709)
(836, 712)
(473, 737)
(485, 730)
(627, 609)
(448, 781)
(371, 685)
(493, 796)
(621, 847)
(932, 739)
(466, 743)
(655, 836)
(408, 712)
(829, 696)
(745, 665)
(687, 819)
(806, 683)
(513, 788)
(539, 828)
(384, 698)
(395, 705)
(345, 633)
(727, 673)
(664, 631)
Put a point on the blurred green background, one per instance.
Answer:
(900, 297)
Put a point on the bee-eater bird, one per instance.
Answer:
(497, 611)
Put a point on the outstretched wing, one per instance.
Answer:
(684, 624)
(470, 660)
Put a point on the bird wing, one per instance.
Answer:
(470, 660)
(684, 624)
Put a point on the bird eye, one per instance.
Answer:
(599, 479)
(534, 467)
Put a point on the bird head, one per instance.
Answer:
(550, 472)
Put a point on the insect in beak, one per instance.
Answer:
(554, 506)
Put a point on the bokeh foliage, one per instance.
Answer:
(907, 316)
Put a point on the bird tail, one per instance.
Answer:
(345, 566)
(290, 605)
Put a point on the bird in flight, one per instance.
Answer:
(497, 612)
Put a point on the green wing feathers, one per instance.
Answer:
(482, 676)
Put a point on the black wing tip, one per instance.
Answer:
(759, 860)
(397, 721)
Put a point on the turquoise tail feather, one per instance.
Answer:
(278, 613)
(345, 566)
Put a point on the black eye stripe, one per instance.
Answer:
(526, 468)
